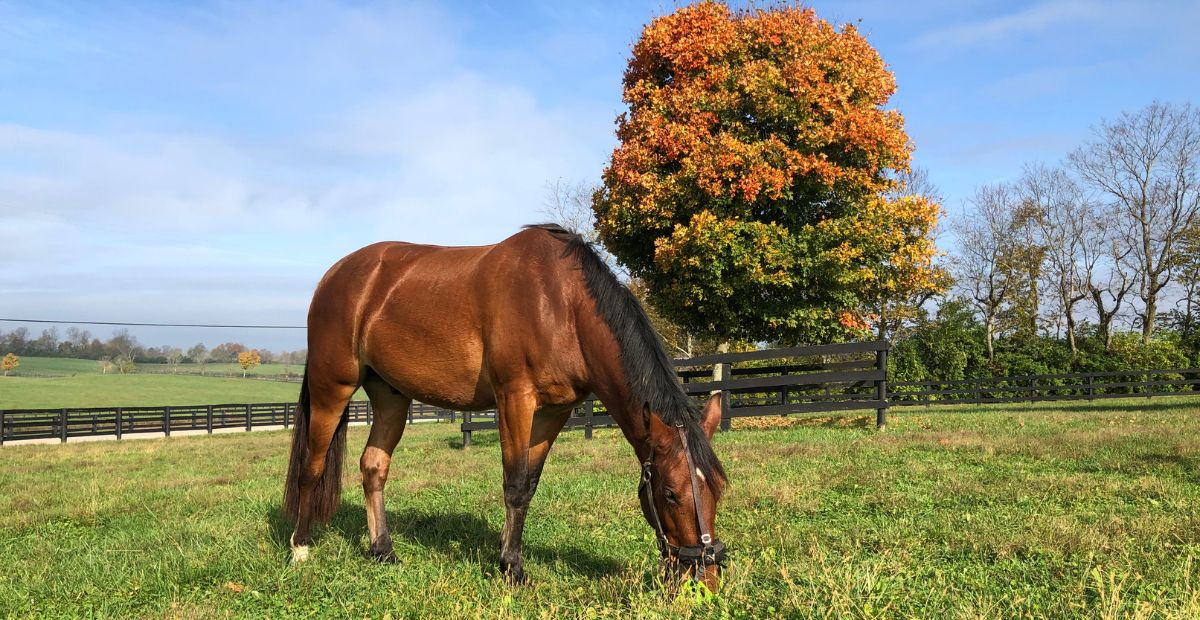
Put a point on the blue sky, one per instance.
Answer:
(206, 162)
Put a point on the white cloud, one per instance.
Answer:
(1033, 20)
(467, 151)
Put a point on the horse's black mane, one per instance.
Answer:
(651, 376)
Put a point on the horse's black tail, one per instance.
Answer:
(328, 490)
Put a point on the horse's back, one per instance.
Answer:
(443, 324)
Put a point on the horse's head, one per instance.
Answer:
(680, 486)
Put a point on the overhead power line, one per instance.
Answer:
(118, 323)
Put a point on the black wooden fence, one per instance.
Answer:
(65, 423)
(774, 382)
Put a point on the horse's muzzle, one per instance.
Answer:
(700, 556)
(694, 560)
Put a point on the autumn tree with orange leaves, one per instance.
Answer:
(248, 360)
(758, 186)
(10, 363)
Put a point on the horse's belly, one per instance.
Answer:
(457, 385)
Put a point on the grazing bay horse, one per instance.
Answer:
(531, 326)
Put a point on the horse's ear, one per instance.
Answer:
(710, 418)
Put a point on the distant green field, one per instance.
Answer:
(56, 365)
(67, 366)
(96, 390)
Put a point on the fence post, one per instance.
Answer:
(120, 421)
(62, 422)
(722, 372)
(589, 408)
(1091, 391)
(167, 421)
(1149, 388)
(466, 432)
(3, 429)
(783, 391)
(978, 381)
(881, 389)
(247, 417)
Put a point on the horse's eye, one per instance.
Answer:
(670, 496)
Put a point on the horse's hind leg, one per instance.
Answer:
(317, 456)
(391, 414)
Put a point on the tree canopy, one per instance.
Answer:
(754, 189)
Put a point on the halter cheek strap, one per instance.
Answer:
(710, 551)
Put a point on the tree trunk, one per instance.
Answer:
(991, 351)
(1071, 330)
(1151, 314)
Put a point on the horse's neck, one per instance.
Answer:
(611, 387)
(607, 379)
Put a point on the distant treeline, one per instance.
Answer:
(123, 346)
(949, 344)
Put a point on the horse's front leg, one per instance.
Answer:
(526, 435)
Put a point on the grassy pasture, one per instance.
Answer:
(1024, 511)
(96, 390)
(56, 366)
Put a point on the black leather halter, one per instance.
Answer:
(710, 551)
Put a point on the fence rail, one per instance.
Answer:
(222, 374)
(66, 423)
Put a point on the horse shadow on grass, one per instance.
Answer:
(479, 439)
(457, 534)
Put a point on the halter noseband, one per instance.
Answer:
(710, 551)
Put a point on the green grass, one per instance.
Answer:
(1061, 512)
(56, 366)
(94, 390)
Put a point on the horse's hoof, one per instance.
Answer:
(385, 556)
(515, 577)
(299, 552)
